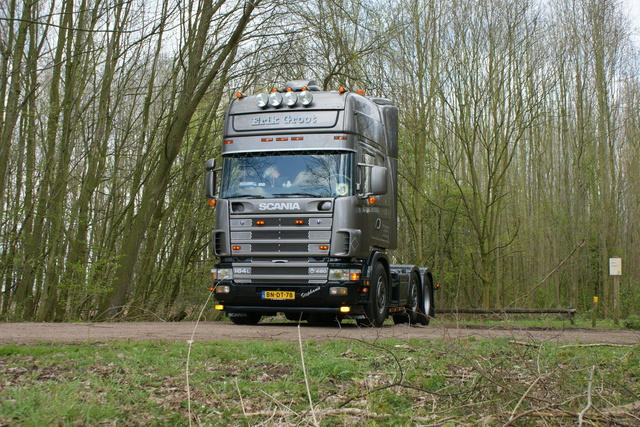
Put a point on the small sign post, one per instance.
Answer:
(615, 271)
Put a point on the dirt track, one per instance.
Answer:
(28, 333)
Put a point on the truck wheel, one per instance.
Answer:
(410, 315)
(426, 303)
(246, 318)
(376, 311)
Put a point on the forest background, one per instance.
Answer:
(520, 142)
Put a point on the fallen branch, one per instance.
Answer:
(584, 411)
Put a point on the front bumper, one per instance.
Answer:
(242, 298)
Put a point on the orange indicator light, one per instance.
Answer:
(266, 140)
(239, 95)
(282, 139)
(340, 138)
(297, 138)
(227, 141)
(354, 276)
(236, 248)
(360, 92)
(299, 222)
(372, 200)
(260, 222)
(212, 202)
(324, 247)
(342, 90)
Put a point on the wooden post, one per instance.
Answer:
(594, 312)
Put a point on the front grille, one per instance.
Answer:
(288, 271)
(279, 234)
(286, 239)
(280, 247)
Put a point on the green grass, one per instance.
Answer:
(381, 383)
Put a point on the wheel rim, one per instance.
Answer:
(413, 296)
(381, 295)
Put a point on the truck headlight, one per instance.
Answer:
(344, 274)
(222, 274)
(223, 289)
(338, 290)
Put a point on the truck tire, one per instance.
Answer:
(426, 303)
(246, 319)
(378, 308)
(412, 309)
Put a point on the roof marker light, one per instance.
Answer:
(239, 95)
(360, 92)
(342, 90)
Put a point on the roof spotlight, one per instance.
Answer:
(306, 98)
(290, 99)
(262, 100)
(275, 99)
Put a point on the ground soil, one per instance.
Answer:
(30, 333)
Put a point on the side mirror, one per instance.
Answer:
(379, 176)
(210, 179)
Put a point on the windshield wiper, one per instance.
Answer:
(295, 194)
(245, 196)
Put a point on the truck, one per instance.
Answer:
(306, 211)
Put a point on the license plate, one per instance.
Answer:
(278, 295)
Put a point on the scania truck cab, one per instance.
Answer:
(305, 211)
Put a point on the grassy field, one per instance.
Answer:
(378, 383)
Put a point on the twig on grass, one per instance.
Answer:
(584, 411)
(306, 379)
(240, 396)
(513, 413)
(190, 342)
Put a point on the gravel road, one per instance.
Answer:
(29, 333)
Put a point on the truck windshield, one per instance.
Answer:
(260, 175)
